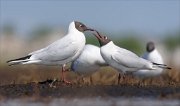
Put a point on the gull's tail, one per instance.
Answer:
(19, 60)
(163, 66)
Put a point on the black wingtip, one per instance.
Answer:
(159, 64)
(163, 65)
(8, 61)
(169, 68)
(22, 58)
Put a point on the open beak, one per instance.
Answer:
(90, 29)
(98, 36)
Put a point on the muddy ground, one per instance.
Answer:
(59, 90)
(30, 82)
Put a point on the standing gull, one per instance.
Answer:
(61, 51)
(123, 60)
(152, 55)
(89, 61)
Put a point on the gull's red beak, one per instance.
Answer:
(97, 34)
(89, 29)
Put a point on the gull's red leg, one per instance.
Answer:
(121, 78)
(63, 76)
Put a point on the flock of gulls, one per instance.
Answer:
(87, 58)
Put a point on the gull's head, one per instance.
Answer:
(103, 40)
(79, 26)
(150, 46)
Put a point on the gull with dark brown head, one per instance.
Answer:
(61, 51)
(122, 59)
(153, 55)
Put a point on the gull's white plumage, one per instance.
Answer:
(89, 61)
(153, 56)
(122, 59)
(60, 52)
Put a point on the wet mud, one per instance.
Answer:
(58, 89)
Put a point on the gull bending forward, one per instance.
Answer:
(122, 59)
(61, 51)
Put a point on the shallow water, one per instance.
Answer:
(97, 101)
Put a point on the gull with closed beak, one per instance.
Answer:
(153, 55)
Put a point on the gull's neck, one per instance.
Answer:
(108, 44)
(154, 51)
(72, 29)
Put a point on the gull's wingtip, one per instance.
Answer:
(169, 68)
(18, 61)
(9, 61)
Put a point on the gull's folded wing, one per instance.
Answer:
(128, 60)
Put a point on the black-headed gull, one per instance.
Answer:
(122, 59)
(152, 55)
(89, 61)
(61, 51)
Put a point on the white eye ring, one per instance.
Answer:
(80, 25)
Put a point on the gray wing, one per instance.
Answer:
(57, 51)
(128, 59)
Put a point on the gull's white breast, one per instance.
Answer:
(89, 61)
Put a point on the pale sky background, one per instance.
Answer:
(153, 17)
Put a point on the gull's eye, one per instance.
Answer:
(80, 25)
(105, 37)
